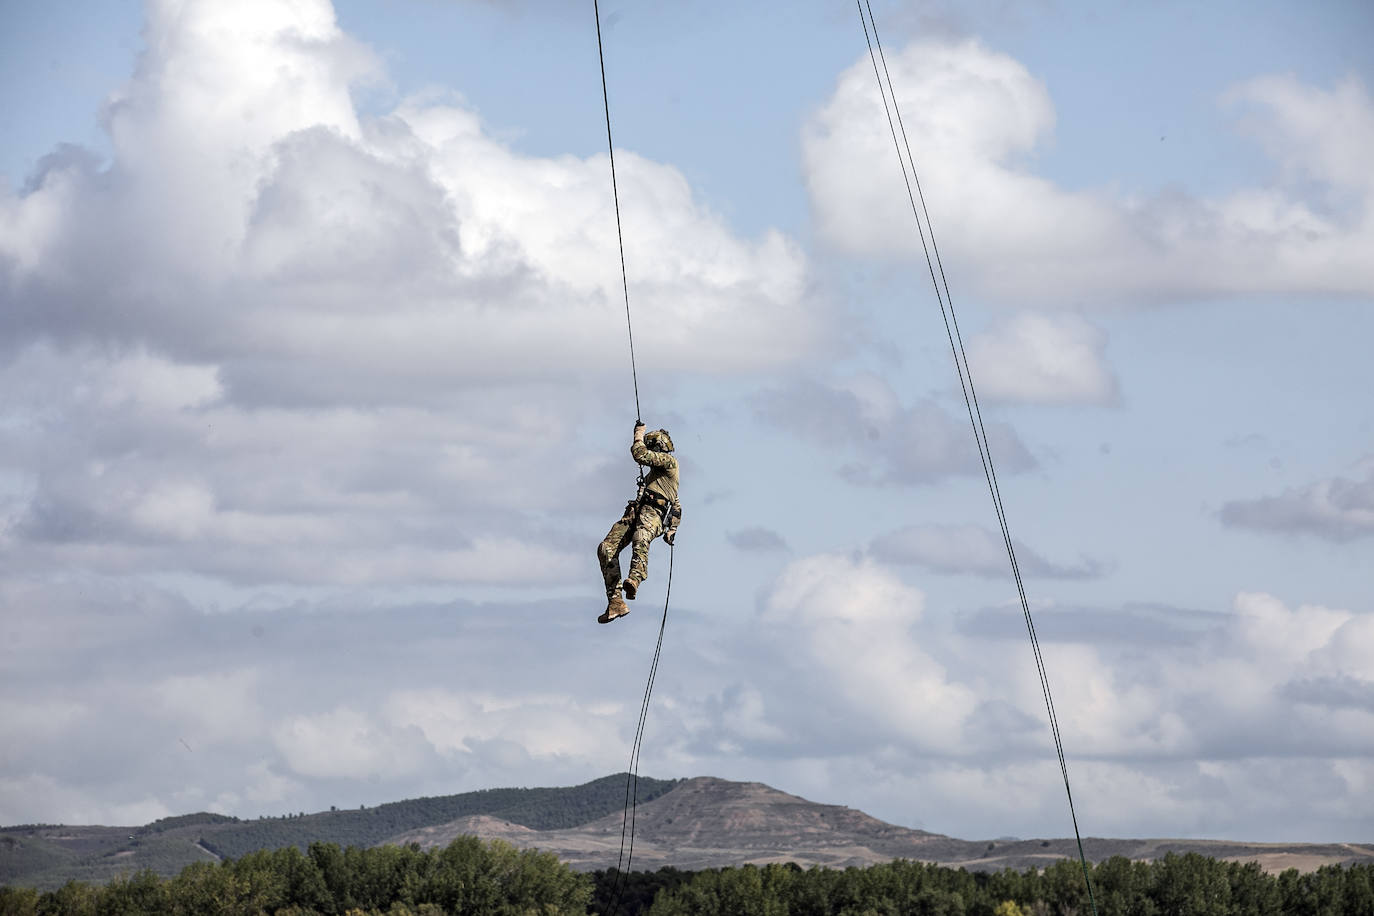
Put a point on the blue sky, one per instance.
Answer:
(316, 400)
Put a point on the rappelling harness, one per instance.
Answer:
(670, 512)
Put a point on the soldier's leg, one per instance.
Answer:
(648, 526)
(608, 551)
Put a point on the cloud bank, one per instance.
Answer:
(976, 118)
(276, 341)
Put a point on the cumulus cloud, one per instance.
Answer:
(975, 116)
(892, 444)
(1177, 703)
(345, 744)
(852, 622)
(1335, 509)
(549, 726)
(251, 219)
(1042, 359)
(135, 463)
(293, 705)
(273, 340)
(843, 670)
(970, 549)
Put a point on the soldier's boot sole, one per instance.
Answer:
(630, 587)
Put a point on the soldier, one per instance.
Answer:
(654, 511)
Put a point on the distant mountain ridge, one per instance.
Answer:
(46, 856)
(690, 824)
(708, 823)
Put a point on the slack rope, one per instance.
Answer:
(975, 414)
(615, 194)
(632, 776)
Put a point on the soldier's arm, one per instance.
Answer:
(647, 456)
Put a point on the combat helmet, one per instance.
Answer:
(659, 440)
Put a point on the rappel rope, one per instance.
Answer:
(627, 824)
(975, 415)
(615, 195)
(632, 801)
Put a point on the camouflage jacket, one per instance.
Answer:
(662, 477)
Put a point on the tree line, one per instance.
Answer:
(1176, 885)
(471, 876)
(468, 876)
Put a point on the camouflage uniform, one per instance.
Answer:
(643, 519)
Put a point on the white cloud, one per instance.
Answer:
(886, 682)
(975, 116)
(345, 743)
(1347, 652)
(1336, 127)
(844, 670)
(547, 726)
(125, 467)
(1042, 359)
(1335, 508)
(264, 784)
(275, 341)
(252, 222)
(155, 384)
(853, 622)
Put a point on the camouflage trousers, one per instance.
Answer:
(638, 526)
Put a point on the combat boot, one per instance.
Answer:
(616, 607)
(630, 586)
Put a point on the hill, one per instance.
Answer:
(709, 823)
(690, 824)
(47, 856)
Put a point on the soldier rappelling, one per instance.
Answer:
(654, 511)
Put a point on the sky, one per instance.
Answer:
(316, 399)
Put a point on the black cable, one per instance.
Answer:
(615, 194)
(632, 776)
(971, 403)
